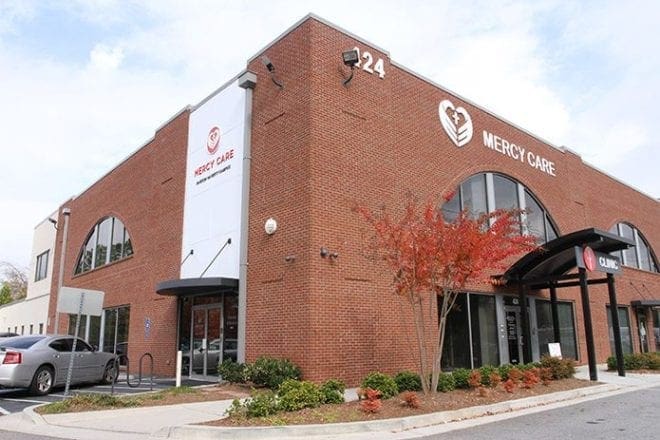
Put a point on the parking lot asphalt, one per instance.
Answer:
(14, 400)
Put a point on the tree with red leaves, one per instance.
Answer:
(433, 259)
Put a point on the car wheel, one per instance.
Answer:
(43, 380)
(109, 374)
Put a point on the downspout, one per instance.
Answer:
(247, 81)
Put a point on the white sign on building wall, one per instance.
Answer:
(212, 206)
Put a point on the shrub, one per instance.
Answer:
(485, 372)
(370, 400)
(411, 399)
(633, 362)
(408, 381)
(474, 380)
(446, 382)
(504, 371)
(530, 377)
(381, 382)
(294, 395)
(272, 372)
(545, 374)
(461, 376)
(561, 368)
(509, 385)
(332, 391)
(652, 360)
(637, 361)
(495, 379)
(515, 375)
(611, 363)
(260, 404)
(232, 372)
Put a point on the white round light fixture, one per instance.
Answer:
(270, 226)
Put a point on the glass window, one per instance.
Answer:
(21, 342)
(624, 326)
(62, 345)
(485, 347)
(456, 351)
(72, 325)
(115, 331)
(506, 192)
(545, 328)
(473, 195)
(656, 328)
(640, 256)
(109, 241)
(231, 327)
(31, 328)
(41, 269)
(41, 328)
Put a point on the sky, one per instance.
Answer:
(84, 83)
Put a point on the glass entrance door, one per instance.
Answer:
(513, 334)
(643, 335)
(205, 341)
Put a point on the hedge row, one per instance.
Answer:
(637, 361)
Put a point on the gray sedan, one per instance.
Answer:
(40, 362)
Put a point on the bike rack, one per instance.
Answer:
(128, 369)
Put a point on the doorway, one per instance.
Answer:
(643, 331)
(513, 334)
(206, 345)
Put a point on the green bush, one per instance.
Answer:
(260, 404)
(503, 370)
(381, 382)
(232, 372)
(637, 361)
(332, 391)
(294, 395)
(633, 362)
(461, 378)
(446, 382)
(272, 372)
(611, 363)
(408, 381)
(486, 371)
(561, 368)
(652, 360)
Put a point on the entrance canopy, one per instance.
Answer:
(192, 286)
(547, 267)
(557, 257)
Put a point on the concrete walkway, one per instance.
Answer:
(177, 421)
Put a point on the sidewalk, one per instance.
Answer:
(177, 421)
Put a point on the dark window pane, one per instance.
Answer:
(72, 325)
(485, 345)
(456, 349)
(102, 242)
(535, 218)
(117, 240)
(128, 246)
(18, 342)
(94, 330)
(630, 254)
(473, 195)
(231, 327)
(62, 345)
(451, 208)
(624, 326)
(643, 251)
(506, 193)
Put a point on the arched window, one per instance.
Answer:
(487, 192)
(640, 256)
(108, 241)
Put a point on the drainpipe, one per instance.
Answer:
(247, 81)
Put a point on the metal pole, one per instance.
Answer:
(73, 346)
(60, 280)
(555, 313)
(524, 317)
(616, 328)
(588, 328)
(247, 81)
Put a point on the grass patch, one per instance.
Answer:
(95, 402)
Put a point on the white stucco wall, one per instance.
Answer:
(33, 310)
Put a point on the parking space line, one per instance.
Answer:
(26, 400)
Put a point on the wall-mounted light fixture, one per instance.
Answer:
(350, 58)
(54, 222)
(290, 258)
(271, 69)
(326, 253)
(270, 226)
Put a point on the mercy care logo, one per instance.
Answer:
(456, 122)
(213, 140)
(589, 259)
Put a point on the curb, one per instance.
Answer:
(196, 432)
(30, 415)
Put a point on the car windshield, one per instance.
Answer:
(21, 341)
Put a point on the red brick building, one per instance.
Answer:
(311, 147)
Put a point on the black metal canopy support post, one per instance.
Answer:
(555, 313)
(524, 317)
(614, 310)
(588, 328)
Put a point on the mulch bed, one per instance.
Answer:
(395, 407)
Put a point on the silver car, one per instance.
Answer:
(40, 362)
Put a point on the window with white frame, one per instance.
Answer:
(487, 192)
(108, 241)
(41, 268)
(640, 256)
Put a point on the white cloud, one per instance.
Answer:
(106, 58)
